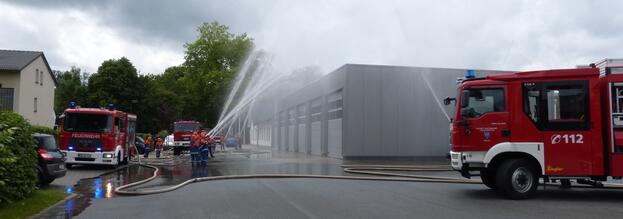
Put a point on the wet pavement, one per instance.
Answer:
(100, 187)
(177, 169)
(308, 198)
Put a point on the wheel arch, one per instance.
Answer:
(531, 151)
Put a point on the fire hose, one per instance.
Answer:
(370, 170)
(378, 172)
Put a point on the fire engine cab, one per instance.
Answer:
(96, 136)
(513, 129)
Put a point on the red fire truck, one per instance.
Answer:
(560, 125)
(182, 132)
(97, 136)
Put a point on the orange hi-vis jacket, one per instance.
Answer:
(159, 143)
(195, 140)
(212, 140)
(148, 141)
(204, 137)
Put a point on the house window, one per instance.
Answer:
(36, 76)
(6, 99)
(35, 105)
(41, 78)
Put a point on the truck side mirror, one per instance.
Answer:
(448, 100)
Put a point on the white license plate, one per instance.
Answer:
(84, 155)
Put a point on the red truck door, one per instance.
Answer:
(561, 112)
(484, 117)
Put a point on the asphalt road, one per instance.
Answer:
(321, 198)
(77, 173)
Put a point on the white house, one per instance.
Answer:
(27, 86)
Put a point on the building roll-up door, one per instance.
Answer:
(302, 119)
(334, 132)
(291, 130)
(316, 137)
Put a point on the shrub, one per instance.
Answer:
(18, 160)
(45, 130)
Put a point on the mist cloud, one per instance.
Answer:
(508, 35)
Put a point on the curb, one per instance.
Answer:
(46, 210)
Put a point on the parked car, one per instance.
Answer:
(232, 142)
(140, 145)
(51, 161)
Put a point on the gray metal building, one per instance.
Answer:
(364, 111)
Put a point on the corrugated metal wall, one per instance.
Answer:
(370, 111)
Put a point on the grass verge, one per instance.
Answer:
(36, 202)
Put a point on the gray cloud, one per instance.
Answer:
(472, 34)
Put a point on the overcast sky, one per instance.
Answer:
(504, 35)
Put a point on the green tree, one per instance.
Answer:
(211, 63)
(70, 87)
(116, 82)
(160, 107)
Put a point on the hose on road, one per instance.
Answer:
(369, 170)
(379, 173)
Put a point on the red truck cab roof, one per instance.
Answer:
(93, 111)
(504, 78)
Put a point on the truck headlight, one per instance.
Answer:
(108, 155)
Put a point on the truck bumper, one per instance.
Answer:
(181, 144)
(467, 161)
(105, 157)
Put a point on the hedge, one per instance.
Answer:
(45, 130)
(18, 159)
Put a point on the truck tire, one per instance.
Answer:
(488, 178)
(177, 151)
(517, 179)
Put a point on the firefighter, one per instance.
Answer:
(211, 149)
(148, 142)
(158, 147)
(211, 141)
(204, 147)
(194, 148)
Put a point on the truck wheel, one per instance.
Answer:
(488, 178)
(517, 179)
(176, 151)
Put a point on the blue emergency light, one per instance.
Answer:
(470, 74)
(111, 106)
(72, 105)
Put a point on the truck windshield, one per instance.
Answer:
(475, 102)
(186, 127)
(78, 122)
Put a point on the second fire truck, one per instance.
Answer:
(97, 136)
